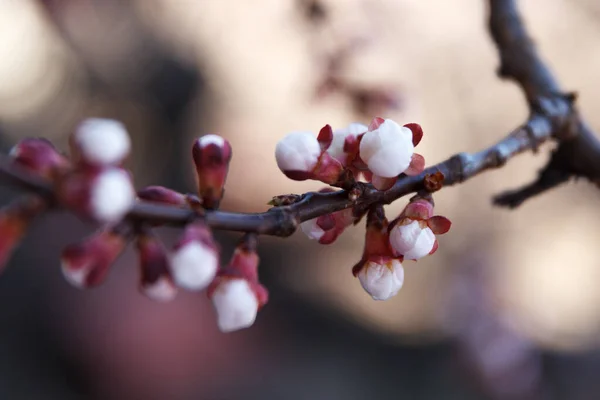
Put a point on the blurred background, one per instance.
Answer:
(508, 308)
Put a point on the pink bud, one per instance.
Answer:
(387, 148)
(39, 156)
(86, 264)
(14, 221)
(236, 293)
(212, 155)
(105, 195)
(327, 228)
(195, 258)
(156, 281)
(100, 142)
(161, 194)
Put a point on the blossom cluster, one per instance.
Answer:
(92, 182)
(378, 153)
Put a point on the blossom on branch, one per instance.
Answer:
(105, 195)
(412, 234)
(100, 142)
(86, 264)
(211, 154)
(236, 293)
(195, 257)
(155, 277)
(379, 271)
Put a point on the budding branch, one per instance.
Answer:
(552, 116)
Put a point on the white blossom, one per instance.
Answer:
(111, 195)
(298, 151)
(236, 305)
(382, 281)
(194, 265)
(311, 229)
(411, 240)
(336, 149)
(162, 290)
(387, 150)
(102, 141)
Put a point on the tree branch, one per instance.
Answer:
(552, 115)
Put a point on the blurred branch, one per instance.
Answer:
(552, 115)
(578, 152)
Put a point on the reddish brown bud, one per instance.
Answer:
(161, 194)
(211, 154)
(86, 264)
(14, 221)
(40, 157)
(156, 281)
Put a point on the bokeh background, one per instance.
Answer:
(508, 308)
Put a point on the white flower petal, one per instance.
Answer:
(336, 149)
(382, 281)
(112, 195)
(162, 290)
(387, 150)
(236, 305)
(298, 151)
(194, 265)
(311, 229)
(102, 141)
(411, 240)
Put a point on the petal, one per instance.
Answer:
(435, 247)
(326, 222)
(325, 137)
(420, 209)
(416, 166)
(383, 183)
(417, 132)
(375, 123)
(439, 225)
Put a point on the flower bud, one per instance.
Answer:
(105, 195)
(297, 154)
(212, 155)
(236, 293)
(412, 234)
(40, 157)
(86, 264)
(194, 259)
(339, 148)
(100, 142)
(383, 279)
(327, 228)
(413, 239)
(387, 148)
(163, 195)
(301, 156)
(235, 303)
(155, 282)
(14, 221)
(379, 271)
